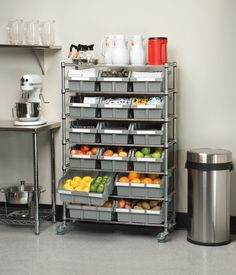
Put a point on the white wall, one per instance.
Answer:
(201, 39)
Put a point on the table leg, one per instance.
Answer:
(53, 181)
(36, 183)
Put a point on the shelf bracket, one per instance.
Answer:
(39, 54)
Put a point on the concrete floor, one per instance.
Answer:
(108, 250)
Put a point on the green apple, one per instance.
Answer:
(147, 156)
(146, 150)
(156, 155)
(138, 154)
(158, 150)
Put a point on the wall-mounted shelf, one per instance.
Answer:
(37, 50)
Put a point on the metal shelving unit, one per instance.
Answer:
(168, 145)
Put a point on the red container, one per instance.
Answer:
(157, 50)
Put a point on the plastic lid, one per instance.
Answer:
(156, 38)
(208, 155)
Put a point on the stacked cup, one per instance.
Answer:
(32, 32)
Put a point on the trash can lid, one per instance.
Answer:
(208, 155)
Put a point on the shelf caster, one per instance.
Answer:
(162, 237)
(61, 229)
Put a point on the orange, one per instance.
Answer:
(146, 180)
(156, 181)
(135, 180)
(123, 179)
(153, 176)
(133, 175)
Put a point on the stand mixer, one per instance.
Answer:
(28, 110)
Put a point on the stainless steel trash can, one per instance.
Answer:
(209, 196)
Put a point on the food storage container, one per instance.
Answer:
(90, 198)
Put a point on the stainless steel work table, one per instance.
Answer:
(35, 130)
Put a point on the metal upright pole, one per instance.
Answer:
(53, 177)
(175, 139)
(63, 132)
(166, 150)
(36, 183)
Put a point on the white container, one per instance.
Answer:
(107, 45)
(120, 54)
(137, 52)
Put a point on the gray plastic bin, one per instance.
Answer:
(138, 190)
(114, 110)
(110, 163)
(147, 83)
(82, 134)
(152, 111)
(80, 84)
(81, 109)
(140, 216)
(147, 164)
(83, 161)
(86, 197)
(147, 133)
(86, 212)
(113, 84)
(116, 132)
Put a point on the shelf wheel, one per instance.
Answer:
(162, 237)
(61, 229)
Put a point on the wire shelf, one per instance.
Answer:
(6, 218)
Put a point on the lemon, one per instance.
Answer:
(68, 187)
(87, 178)
(74, 183)
(77, 178)
(78, 188)
(68, 181)
(86, 189)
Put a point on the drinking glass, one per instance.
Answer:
(15, 31)
(46, 31)
(31, 30)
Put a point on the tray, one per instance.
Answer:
(142, 190)
(83, 135)
(79, 80)
(85, 197)
(147, 133)
(111, 163)
(114, 110)
(140, 216)
(114, 132)
(147, 164)
(81, 109)
(83, 161)
(150, 111)
(147, 81)
(86, 212)
(113, 84)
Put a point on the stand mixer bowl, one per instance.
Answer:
(27, 111)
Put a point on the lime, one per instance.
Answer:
(100, 189)
(146, 150)
(93, 188)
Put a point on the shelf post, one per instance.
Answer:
(63, 132)
(175, 139)
(166, 150)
